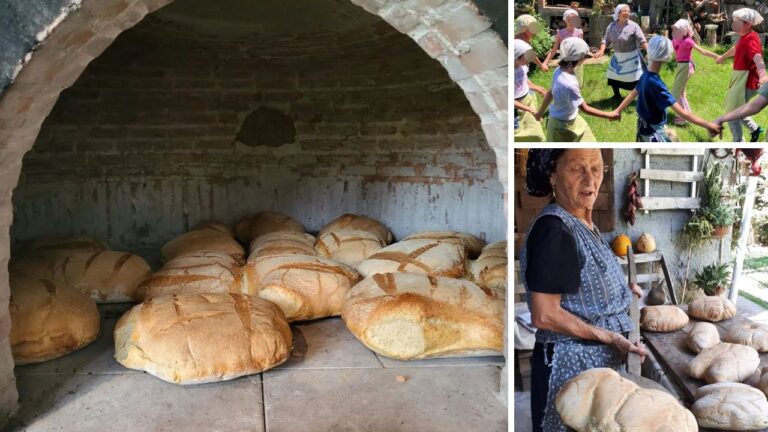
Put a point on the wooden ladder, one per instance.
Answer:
(671, 203)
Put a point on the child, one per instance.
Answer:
(565, 124)
(748, 71)
(653, 98)
(572, 29)
(754, 106)
(526, 28)
(527, 128)
(682, 41)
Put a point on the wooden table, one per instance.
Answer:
(674, 356)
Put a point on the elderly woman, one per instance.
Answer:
(627, 38)
(581, 309)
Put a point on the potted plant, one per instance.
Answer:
(712, 279)
(697, 230)
(722, 218)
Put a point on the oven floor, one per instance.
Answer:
(331, 383)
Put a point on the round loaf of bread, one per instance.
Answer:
(199, 338)
(759, 380)
(667, 318)
(348, 246)
(472, 244)
(731, 406)
(195, 273)
(305, 287)
(410, 316)
(703, 336)
(490, 268)
(601, 400)
(252, 227)
(49, 319)
(357, 222)
(751, 334)
(724, 362)
(282, 243)
(39, 258)
(430, 257)
(712, 308)
(206, 239)
(106, 276)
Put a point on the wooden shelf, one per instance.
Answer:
(673, 176)
(651, 203)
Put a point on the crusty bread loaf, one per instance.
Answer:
(667, 318)
(472, 244)
(348, 246)
(199, 338)
(601, 400)
(305, 287)
(196, 273)
(703, 336)
(412, 316)
(724, 362)
(490, 268)
(751, 334)
(759, 380)
(39, 257)
(49, 319)
(215, 225)
(730, 406)
(357, 222)
(252, 227)
(106, 276)
(206, 239)
(417, 256)
(282, 243)
(712, 308)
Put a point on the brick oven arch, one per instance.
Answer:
(452, 32)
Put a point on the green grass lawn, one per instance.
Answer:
(758, 263)
(706, 94)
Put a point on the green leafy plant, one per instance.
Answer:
(697, 230)
(720, 216)
(712, 278)
(542, 41)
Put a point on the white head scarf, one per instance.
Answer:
(659, 49)
(569, 12)
(683, 26)
(748, 15)
(618, 10)
(525, 22)
(522, 48)
(573, 49)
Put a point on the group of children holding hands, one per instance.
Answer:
(746, 93)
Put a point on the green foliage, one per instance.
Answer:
(712, 277)
(714, 208)
(720, 216)
(697, 230)
(761, 230)
(524, 7)
(543, 41)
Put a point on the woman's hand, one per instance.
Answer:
(624, 346)
(636, 290)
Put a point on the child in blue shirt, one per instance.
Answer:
(653, 98)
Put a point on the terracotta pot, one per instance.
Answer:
(720, 291)
(720, 231)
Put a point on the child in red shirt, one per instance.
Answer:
(748, 71)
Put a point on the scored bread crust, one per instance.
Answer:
(412, 316)
(350, 221)
(253, 227)
(712, 308)
(49, 319)
(200, 338)
(282, 243)
(430, 257)
(490, 268)
(205, 239)
(473, 244)
(199, 272)
(350, 247)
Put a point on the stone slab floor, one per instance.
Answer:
(331, 383)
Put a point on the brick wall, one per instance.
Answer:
(144, 144)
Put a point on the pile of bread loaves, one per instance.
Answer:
(734, 399)
(213, 312)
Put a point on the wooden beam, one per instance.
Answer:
(633, 359)
(670, 175)
(675, 151)
(656, 203)
(642, 258)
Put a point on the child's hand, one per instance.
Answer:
(544, 67)
(541, 90)
(763, 79)
(538, 115)
(714, 129)
(614, 115)
(719, 59)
